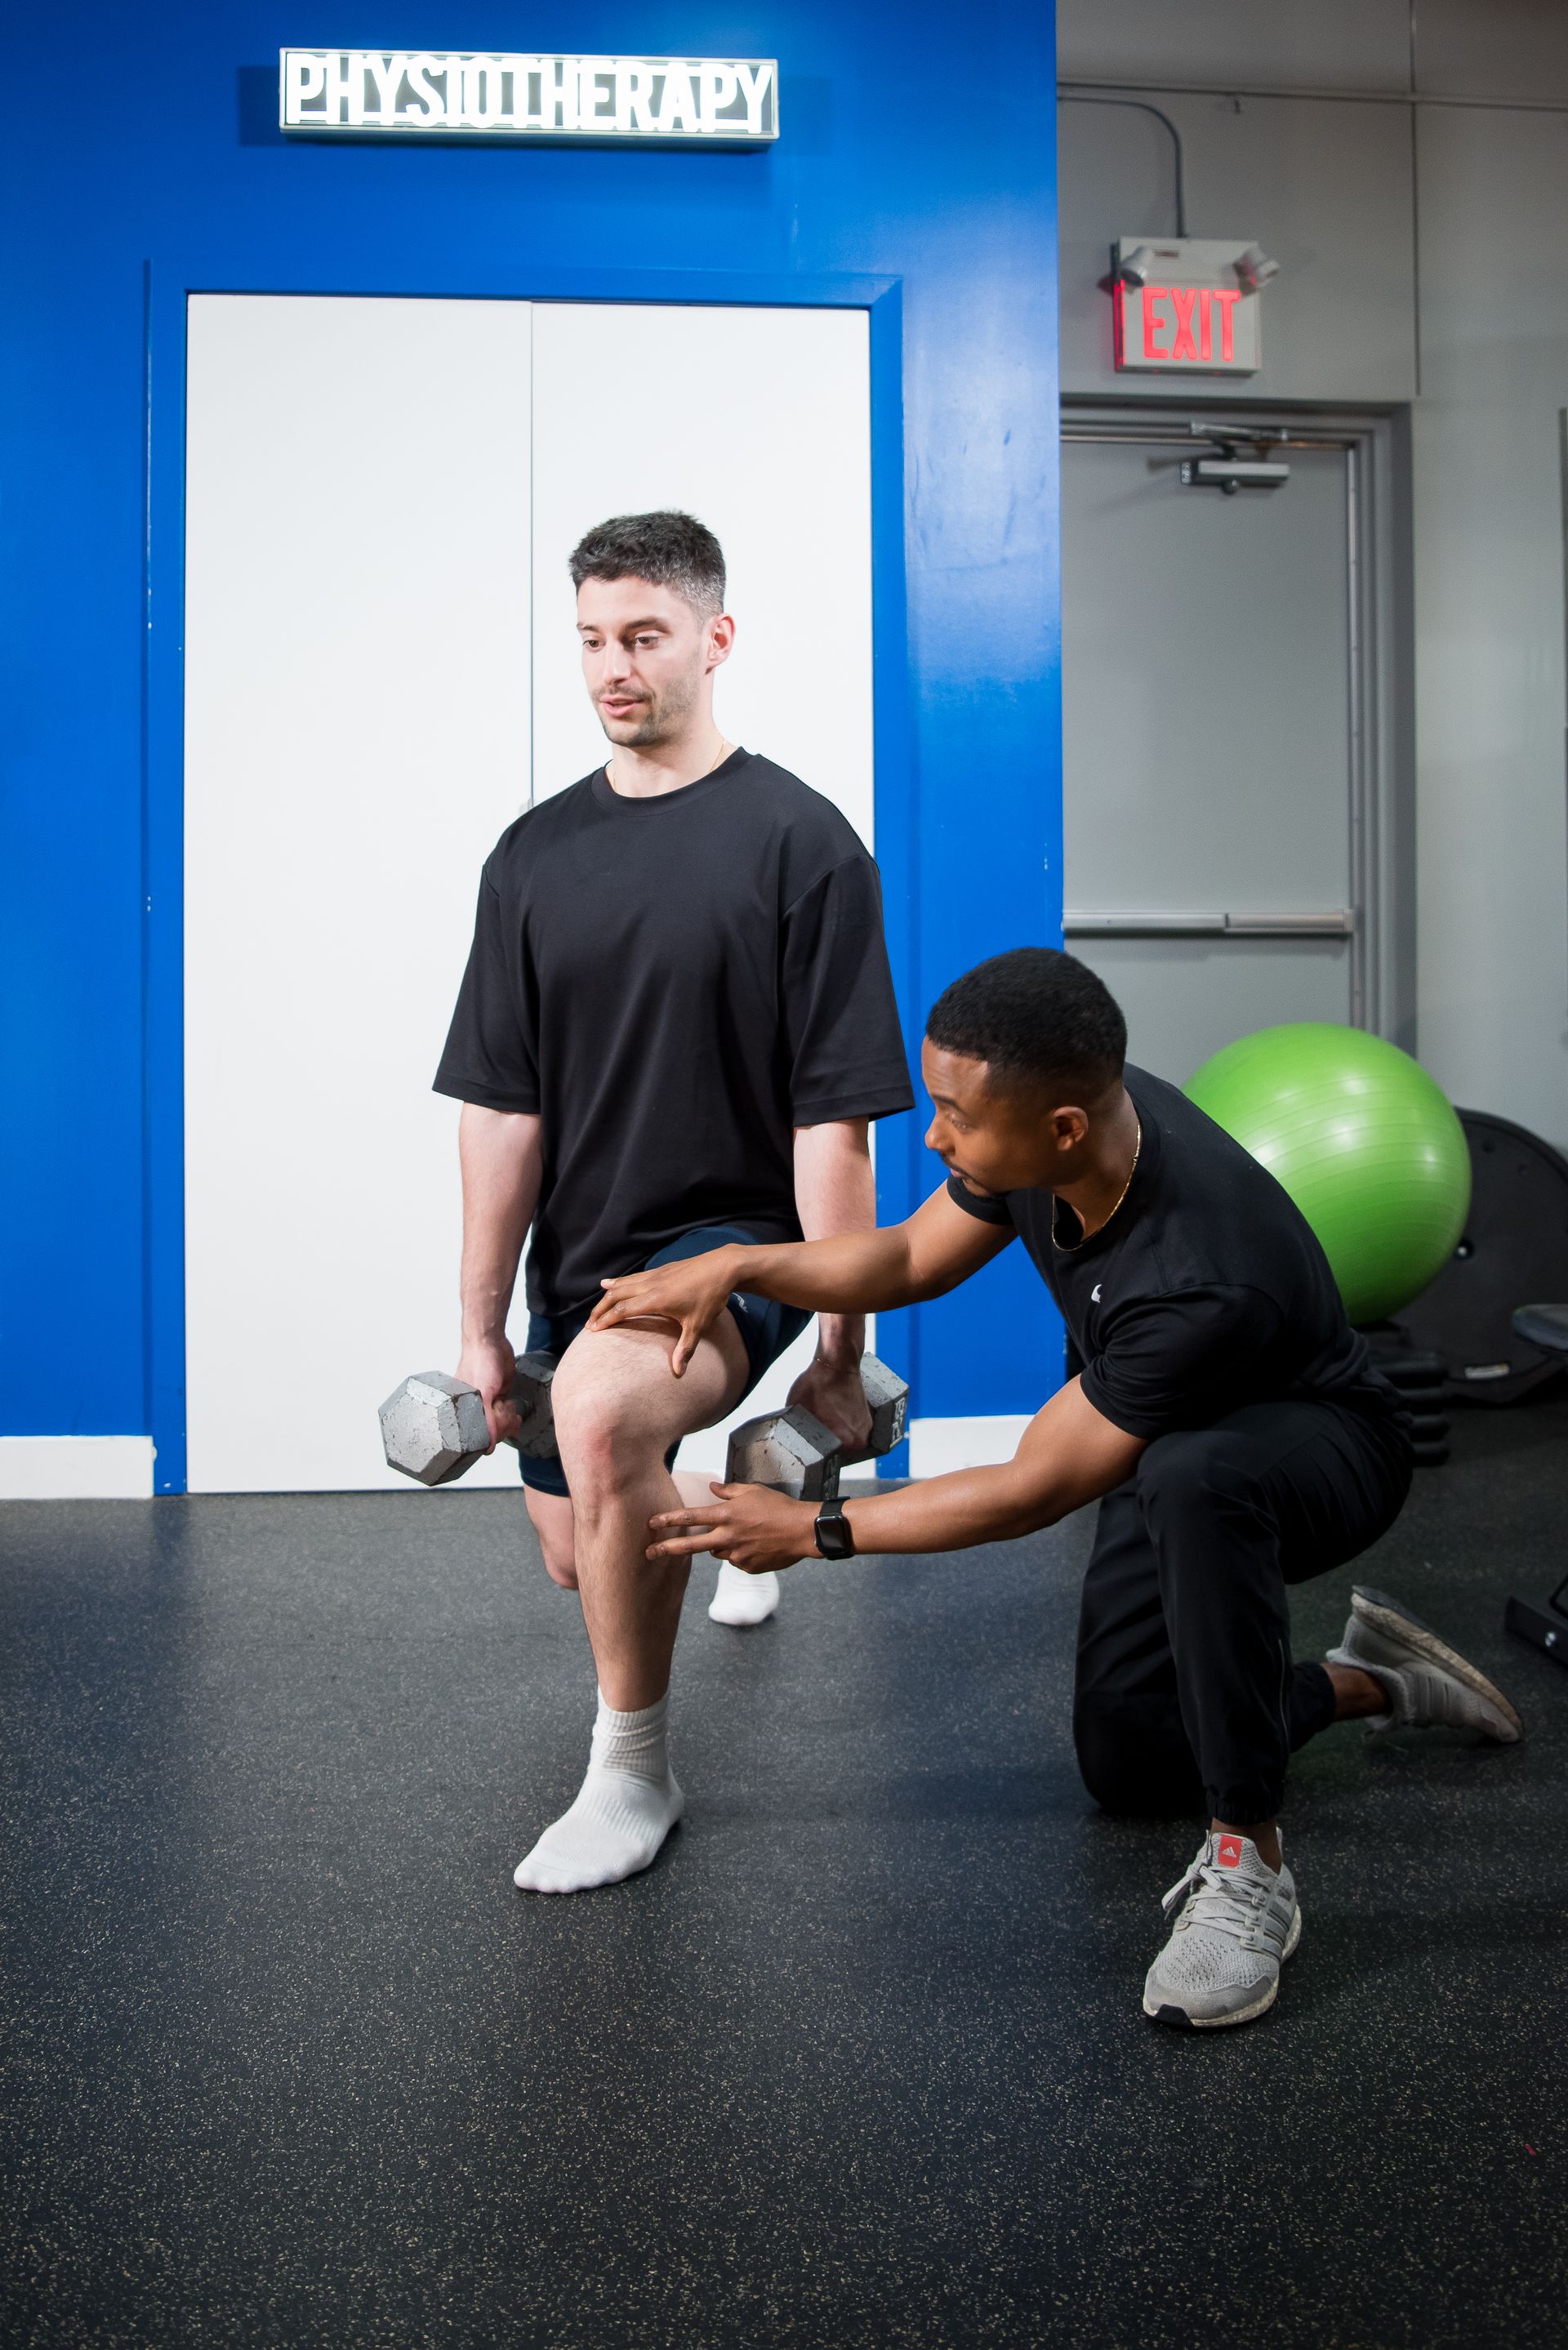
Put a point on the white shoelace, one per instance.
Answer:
(1221, 1898)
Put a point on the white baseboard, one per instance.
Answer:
(75, 1468)
(119, 1468)
(937, 1445)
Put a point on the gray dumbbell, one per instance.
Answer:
(433, 1426)
(793, 1451)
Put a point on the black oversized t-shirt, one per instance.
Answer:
(1206, 1290)
(674, 984)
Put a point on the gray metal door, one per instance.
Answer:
(1215, 852)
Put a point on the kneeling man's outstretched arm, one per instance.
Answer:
(1070, 1454)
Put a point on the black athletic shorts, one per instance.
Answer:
(767, 1330)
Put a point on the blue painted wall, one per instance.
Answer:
(918, 145)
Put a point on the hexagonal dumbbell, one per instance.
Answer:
(793, 1451)
(433, 1426)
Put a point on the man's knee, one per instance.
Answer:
(1134, 1758)
(608, 1438)
(598, 1448)
(1196, 1471)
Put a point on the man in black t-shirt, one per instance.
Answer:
(676, 1024)
(1223, 1413)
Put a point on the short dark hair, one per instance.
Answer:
(1037, 1017)
(672, 550)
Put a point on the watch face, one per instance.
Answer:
(834, 1538)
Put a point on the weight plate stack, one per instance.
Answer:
(1421, 1377)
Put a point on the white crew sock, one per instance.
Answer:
(627, 1804)
(742, 1599)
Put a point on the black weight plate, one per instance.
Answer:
(1514, 1252)
(1407, 1367)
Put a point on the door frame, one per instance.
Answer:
(1379, 656)
(166, 292)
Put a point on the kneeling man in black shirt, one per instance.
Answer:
(1224, 1414)
(676, 1021)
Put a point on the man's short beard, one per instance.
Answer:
(649, 728)
(660, 719)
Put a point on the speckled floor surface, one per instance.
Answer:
(286, 2060)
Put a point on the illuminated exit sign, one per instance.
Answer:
(478, 94)
(1191, 307)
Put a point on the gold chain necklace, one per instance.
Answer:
(725, 748)
(1067, 1247)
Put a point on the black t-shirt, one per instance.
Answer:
(1206, 1290)
(674, 984)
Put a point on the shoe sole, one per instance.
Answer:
(1396, 1621)
(1167, 2013)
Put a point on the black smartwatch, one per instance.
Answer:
(833, 1537)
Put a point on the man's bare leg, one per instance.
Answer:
(552, 1523)
(552, 1516)
(618, 1408)
(741, 1600)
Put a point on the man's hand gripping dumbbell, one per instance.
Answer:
(434, 1427)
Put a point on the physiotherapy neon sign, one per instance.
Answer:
(479, 94)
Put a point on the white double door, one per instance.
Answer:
(381, 672)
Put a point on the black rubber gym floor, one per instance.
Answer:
(860, 2060)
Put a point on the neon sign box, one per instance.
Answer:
(1192, 313)
(478, 94)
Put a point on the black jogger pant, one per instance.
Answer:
(1186, 1693)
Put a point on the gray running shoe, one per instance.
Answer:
(1237, 1925)
(1428, 1684)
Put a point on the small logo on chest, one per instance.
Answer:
(1094, 1295)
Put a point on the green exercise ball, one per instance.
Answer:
(1368, 1147)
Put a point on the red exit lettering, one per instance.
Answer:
(1227, 302)
(1190, 324)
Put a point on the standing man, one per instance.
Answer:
(676, 1024)
(1226, 1416)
